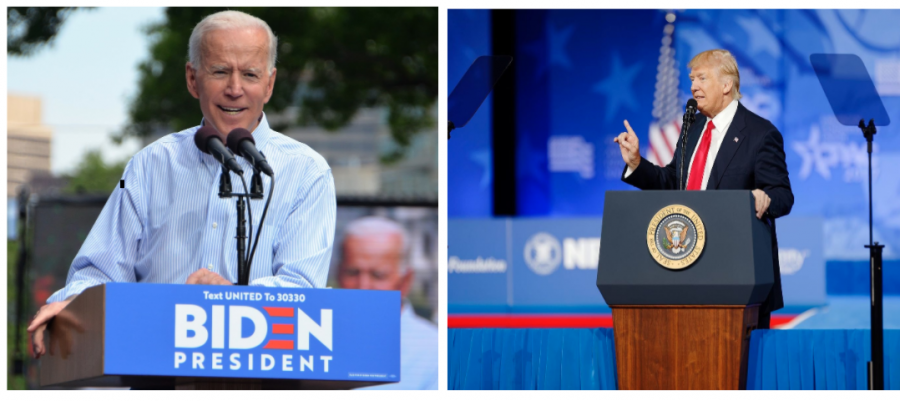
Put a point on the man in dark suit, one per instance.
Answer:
(728, 147)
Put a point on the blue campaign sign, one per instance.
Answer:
(555, 263)
(802, 260)
(252, 332)
(477, 265)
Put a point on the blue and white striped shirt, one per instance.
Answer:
(168, 221)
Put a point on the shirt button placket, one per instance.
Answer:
(211, 239)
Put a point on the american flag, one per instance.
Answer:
(666, 125)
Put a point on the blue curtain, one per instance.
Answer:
(542, 359)
(571, 359)
(818, 359)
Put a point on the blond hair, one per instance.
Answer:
(728, 67)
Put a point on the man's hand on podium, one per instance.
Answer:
(629, 146)
(204, 276)
(39, 325)
(762, 202)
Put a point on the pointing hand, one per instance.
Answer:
(629, 146)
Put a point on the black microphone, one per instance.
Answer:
(207, 139)
(690, 112)
(240, 141)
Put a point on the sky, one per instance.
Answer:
(85, 79)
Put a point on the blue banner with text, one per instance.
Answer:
(252, 332)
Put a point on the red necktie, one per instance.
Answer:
(696, 176)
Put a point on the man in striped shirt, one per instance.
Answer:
(374, 256)
(168, 224)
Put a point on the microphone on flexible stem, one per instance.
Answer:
(207, 139)
(690, 112)
(241, 141)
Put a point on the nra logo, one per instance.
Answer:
(290, 329)
(544, 253)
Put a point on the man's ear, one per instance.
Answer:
(406, 282)
(728, 87)
(190, 75)
(271, 85)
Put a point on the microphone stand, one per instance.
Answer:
(241, 235)
(876, 365)
(686, 122)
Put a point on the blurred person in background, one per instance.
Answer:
(168, 224)
(374, 256)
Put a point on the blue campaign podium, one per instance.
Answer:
(157, 336)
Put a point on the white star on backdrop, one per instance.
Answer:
(551, 50)
(483, 159)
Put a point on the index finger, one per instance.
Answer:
(39, 320)
(628, 127)
(37, 347)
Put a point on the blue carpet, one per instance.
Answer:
(851, 312)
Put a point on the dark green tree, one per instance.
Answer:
(331, 62)
(94, 176)
(30, 28)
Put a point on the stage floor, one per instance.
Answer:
(848, 312)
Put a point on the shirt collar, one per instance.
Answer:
(261, 136)
(723, 119)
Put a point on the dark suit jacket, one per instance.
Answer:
(755, 161)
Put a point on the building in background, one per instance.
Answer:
(27, 142)
(354, 154)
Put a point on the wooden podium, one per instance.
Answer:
(683, 324)
(684, 347)
(86, 349)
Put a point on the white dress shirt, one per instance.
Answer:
(721, 122)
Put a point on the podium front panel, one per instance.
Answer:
(252, 332)
(734, 268)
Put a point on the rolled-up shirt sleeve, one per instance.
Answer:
(302, 250)
(110, 250)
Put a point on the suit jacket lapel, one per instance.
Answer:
(728, 148)
(694, 134)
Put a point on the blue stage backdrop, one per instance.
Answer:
(580, 73)
(469, 178)
(531, 265)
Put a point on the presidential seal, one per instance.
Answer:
(676, 237)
